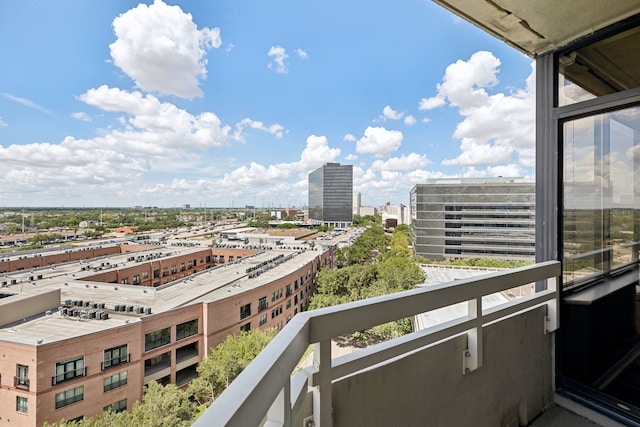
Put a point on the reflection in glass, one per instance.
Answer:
(601, 194)
(600, 68)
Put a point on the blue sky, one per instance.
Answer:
(233, 103)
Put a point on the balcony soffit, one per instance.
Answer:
(541, 26)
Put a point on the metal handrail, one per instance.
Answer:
(265, 392)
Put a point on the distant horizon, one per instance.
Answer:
(226, 103)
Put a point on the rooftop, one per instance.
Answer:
(210, 285)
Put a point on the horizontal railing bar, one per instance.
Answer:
(516, 306)
(358, 360)
(330, 322)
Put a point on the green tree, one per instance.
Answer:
(286, 225)
(163, 406)
(225, 362)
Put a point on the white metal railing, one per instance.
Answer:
(266, 392)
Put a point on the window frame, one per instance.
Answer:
(69, 374)
(78, 395)
(163, 338)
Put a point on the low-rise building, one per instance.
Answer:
(84, 330)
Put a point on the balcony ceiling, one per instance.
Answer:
(539, 26)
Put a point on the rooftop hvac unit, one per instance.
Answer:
(139, 309)
(95, 305)
(104, 315)
(92, 314)
(117, 307)
(64, 311)
(87, 303)
(147, 310)
(101, 305)
(68, 302)
(129, 308)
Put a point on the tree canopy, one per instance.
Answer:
(377, 265)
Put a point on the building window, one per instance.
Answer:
(115, 381)
(145, 274)
(22, 377)
(118, 406)
(156, 274)
(115, 356)
(186, 329)
(289, 303)
(246, 327)
(22, 404)
(69, 369)
(263, 319)
(68, 397)
(156, 364)
(157, 339)
(288, 291)
(262, 304)
(245, 311)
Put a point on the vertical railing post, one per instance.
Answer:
(552, 320)
(472, 356)
(322, 395)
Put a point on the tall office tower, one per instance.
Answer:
(473, 218)
(331, 195)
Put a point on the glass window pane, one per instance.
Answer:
(601, 68)
(601, 194)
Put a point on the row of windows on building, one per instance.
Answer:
(245, 310)
(74, 368)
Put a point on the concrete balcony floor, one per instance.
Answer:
(557, 416)
(566, 413)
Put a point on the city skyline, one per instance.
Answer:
(226, 104)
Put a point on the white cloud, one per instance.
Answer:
(426, 120)
(480, 153)
(155, 128)
(507, 170)
(389, 113)
(431, 103)
(162, 50)
(351, 157)
(409, 120)
(411, 162)
(279, 59)
(275, 129)
(349, 137)
(379, 141)
(495, 127)
(302, 54)
(2, 123)
(81, 116)
(27, 103)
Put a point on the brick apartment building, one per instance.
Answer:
(84, 330)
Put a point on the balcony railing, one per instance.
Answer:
(263, 395)
(21, 382)
(69, 375)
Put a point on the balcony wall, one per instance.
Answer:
(428, 387)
